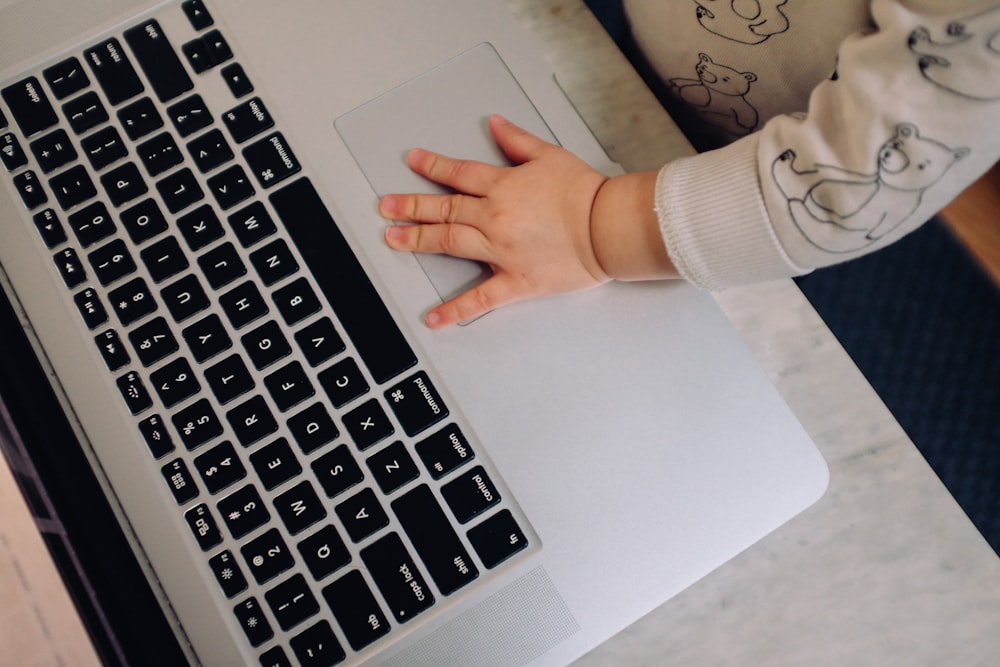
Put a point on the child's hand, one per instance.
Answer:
(530, 223)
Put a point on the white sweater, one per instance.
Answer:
(848, 123)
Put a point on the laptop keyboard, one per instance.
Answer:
(334, 494)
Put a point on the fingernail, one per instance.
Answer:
(388, 205)
(393, 234)
(433, 319)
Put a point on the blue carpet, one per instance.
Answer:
(922, 323)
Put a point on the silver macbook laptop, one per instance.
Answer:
(221, 392)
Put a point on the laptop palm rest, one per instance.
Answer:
(444, 110)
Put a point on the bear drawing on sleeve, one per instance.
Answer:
(843, 211)
(962, 56)
(744, 21)
(719, 95)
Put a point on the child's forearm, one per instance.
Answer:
(625, 231)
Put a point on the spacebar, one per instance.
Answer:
(343, 281)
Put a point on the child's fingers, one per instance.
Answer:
(489, 295)
(431, 208)
(468, 176)
(517, 143)
(455, 240)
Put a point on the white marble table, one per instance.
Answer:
(885, 569)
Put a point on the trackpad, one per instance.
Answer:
(444, 110)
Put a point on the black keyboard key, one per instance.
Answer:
(30, 106)
(251, 618)
(49, 228)
(164, 259)
(222, 265)
(143, 221)
(498, 538)
(132, 301)
(317, 646)
(158, 60)
(112, 351)
(85, 112)
(247, 120)
(3, 120)
(206, 338)
(180, 190)
(362, 515)
(445, 451)
(88, 302)
(11, 153)
(185, 298)
(343, 281)
(368, 424)
(343, 382)
(156, 436)
(324, 552)
(299, 507)
(296, 301)
(220, 467)
(337, 471)
(72, 187)
(31, 190)
(53, 151)
(200, 227)
(199, 55)
(291, 602)
(274, 657)
(243, 304)
(180, 481)
(123, 184)
(243, 511)
(398, 578)
(275, 464)
(228, 573)
(319, 341)
(134, 392)
(230, 187)
(252, 421)
(175, 382)
(70, 268)
(236, 79)
(197, 14)
(197, 424)
(274, 262)
(218, 46)
(113, 71)
(271, 160)
(140, 118)
(104, 147)
(153, 341)
(202, 524)
(229, 379)
(416, 403)
(266, 345)
(111, 262)
(471, 494)
(392, 467)
(209, 151)
(159, 154)
(437, 545)
(189, 115)
(252, 224)
(312, 428)
(66, 77)
(289, 386)
(267, 556)
(356, 610)
(92, 224)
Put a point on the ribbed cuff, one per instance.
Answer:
(714, 221)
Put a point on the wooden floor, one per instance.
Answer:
(974, 217)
